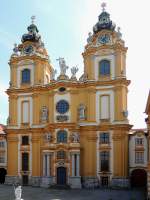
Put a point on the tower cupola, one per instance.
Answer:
(33, 33)
(104, 21)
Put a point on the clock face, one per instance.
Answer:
(104, 39)
(28, 49)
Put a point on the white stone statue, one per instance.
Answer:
(48, 137)
(89, 39)
(75, 137)
(53, 74)
(15, 50)
(82, 111)
(44, 114)
(84, 77)
(74, 70)
(63, 66)
(18, 193)
(119, 32)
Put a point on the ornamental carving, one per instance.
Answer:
(44, 114)
(48, 137)
(75, 137)
(82, 112)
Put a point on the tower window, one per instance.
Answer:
(104, 67)
(25, 140)
(26, 76)
(62, 136)
(104, 158)
(25, 161)
(104, 138)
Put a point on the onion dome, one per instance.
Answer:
(32, 34)
(104, 21)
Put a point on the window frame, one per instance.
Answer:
(104, 70)
(62, 136)
(139, 141)
(24, 143)
(61, 154)
(25, 77)
(2, 157)
(104, 138)
(139, 157)
(105, 162)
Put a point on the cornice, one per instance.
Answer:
(72, 85)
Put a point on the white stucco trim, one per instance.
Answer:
(111, 153)
(111, 94)
(20, 99)
(20, 68)
(132, 151)
(57, 98)
(97, 155)
(97, 59)
(30, 162)
(19, 155)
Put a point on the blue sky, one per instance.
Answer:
(64, 26)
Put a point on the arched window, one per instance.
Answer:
(26, 76)
(61, 155)
(104, 67)
(62, 136)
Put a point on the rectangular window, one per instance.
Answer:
(2, 144)
(25, 161)
(104, 160)
(2, 157)
(104, 107)
(25, 112)
(104, 138)
(25, 140)
(139, 157)
(139, 141)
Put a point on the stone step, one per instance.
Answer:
(60, 187)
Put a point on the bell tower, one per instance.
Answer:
(105, 61)
(30, 63)
(105, 67)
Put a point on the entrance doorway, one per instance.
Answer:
(104, 181)
(25, 179)
(3, 173)
(138, 178)
(61, 176)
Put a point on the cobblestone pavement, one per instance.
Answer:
(35, 193)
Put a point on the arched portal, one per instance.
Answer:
(61, 176)
(3, 173)
(138, 178)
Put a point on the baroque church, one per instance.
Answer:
(63, 130)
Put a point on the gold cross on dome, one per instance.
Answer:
(103, 5)
(33, 19)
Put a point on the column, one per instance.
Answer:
(48, 164)
(43, 164)
(72, 156)
(78, 165)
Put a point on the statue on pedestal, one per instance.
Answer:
(44, 114)
(53, 74)
(75, 137)
(82, 112)
(63, 68)
(74, 70)
(18, 193)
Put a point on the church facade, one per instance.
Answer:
(66, 131)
